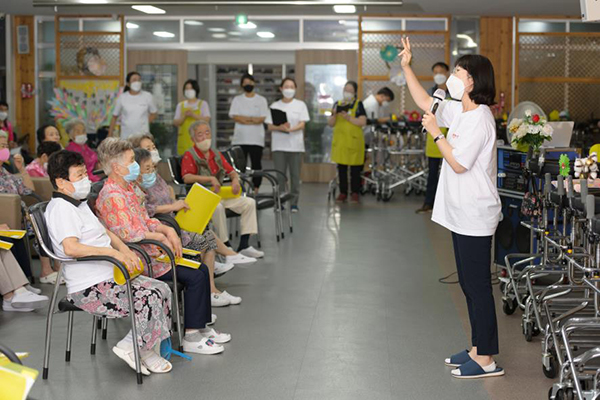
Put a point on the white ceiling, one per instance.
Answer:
(451, 7)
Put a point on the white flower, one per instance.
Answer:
(528, 113)
(522, 131)
(548, 130)
(534, 129)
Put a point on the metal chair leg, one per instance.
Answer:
(49, 326)
(136, 350)
(94, 334)
(69, 336)
(177, 311)
(289, 213)
(258, 230)
(104, 327)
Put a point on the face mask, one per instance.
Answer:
(15, 150)
(148, 180)
(439, 79)
(456, 87)
(3, 115)
(348, 96)
(248, 88)
(46, 166)
(190, 94)
(204, 145)
(385, 104)
(4, 155)
(289, 93)
(134, 172)
(81, 139)
(82, 188)
(136, 86)
(155, 156)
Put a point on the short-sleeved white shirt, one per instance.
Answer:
(66, 219)
(255, 106)
(204, 108)
(296, 112)
(468, 203)
(134, 111)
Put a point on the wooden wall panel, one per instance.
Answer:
(24, 73)
(496, 44)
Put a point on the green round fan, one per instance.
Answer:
(388, 53)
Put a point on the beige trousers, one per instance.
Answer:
(244, 206)
(11, 274)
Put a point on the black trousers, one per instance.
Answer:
(256, 153)
(19, 250)
(473, 256)
(197, 311)
(432, 179)
(355, 171)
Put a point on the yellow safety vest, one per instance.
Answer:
(184, 141)
(348, 144)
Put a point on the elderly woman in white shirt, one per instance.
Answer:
(467, 201)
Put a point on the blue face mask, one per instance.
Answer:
(148, 180)
(134, 172)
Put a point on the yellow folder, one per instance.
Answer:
(190, 252)
(120, 278)
(16, 381)
(184, 262)
(203, 203)
(5, 245)
(226, 192)
(13, 233)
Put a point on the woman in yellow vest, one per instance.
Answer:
(348, 145)
(189, 111)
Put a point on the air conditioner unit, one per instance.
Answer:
(590, 10)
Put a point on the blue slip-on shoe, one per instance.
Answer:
(472, 370)
(458, 359)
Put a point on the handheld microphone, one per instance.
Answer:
(438, 96)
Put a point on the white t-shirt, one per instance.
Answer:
(65, 220)
(468, 203)
(134, 111)
(296, 112)
(204, 108)
(255, 106)
(374, 111)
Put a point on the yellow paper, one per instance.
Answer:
(13, 233)
(203, 203)
(226, 192)
(190, 252)
(120, 278)
(16, 381)
(5, 245)
(184, 262)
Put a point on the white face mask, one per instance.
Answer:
(456, 87)
(348, 96)
(190, 94)
(136, 86)
(155, 156)
(204, 145)
(385, 104)
(289, 93)
(82, 188)
(439, 79)
(3, 115)
(81, 139)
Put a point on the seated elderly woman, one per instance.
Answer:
(76, 232)
(202, 165)
(39, 166)
(78, 135)
(120, 206)
(48, 133)
(159, 200)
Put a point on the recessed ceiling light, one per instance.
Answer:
(344, 9)
(265, 35)
(342, 22)
(219, 35)
(93, 1)
(193, 22)
(216, 29)
(249, 25)
(131, 25)
(163, 34)
(235, 33)
(149, 9)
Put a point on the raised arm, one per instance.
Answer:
(418, 93)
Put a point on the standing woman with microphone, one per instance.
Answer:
(467, 201)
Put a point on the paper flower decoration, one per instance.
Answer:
(563, 164)
(388, 53)
(586, 168)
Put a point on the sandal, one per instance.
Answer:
(156, 363)
(458, 359)
(472, 370)
(129, 358)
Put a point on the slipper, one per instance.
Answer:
(156, 363)
(128, 357)
(472, 370)
(458, 359)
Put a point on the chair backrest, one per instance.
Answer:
(10, 210)
(238, 158)
(175, 169)
(36, 214)
(94, 193)
(43, 187)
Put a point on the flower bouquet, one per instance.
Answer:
(529, 132)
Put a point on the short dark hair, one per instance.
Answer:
(286, 79)
(48, 148)
(3, 103)
(387, 92)
(246, 76)
(128, 79)
(354, 85)
(59, 164)
(194, 84)
(141, 155)
(440, 64)
(481, 70)
(41, 132)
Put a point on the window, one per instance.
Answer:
(331, 31)
(261, 31)
(152, 31)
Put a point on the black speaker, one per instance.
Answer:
(511, 236)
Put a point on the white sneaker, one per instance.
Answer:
(6, 306)
(239, 259)
(217, 300)
(221, 268)
(26, 299)
(216, 336)
(213, 320)
(51, 279)
(203, 346)
(233, 300)
(252, 252)
(33, 289)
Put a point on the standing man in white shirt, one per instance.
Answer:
(376, 107)
(287, 142)
(250, 111)
(136, 108)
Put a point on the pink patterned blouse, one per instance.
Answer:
(122, 211)
(35, 169)
(89, 155)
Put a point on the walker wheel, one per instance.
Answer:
(387, 196)
(509, 306)
(552, 372)
(528, 331)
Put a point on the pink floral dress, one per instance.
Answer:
(36, 170)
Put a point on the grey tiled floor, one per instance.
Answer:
(348, 307)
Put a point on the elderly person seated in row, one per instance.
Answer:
(76, 232)
(209, 168)
(48, 133)
(120, 206)
(78, 135)
(39, 166)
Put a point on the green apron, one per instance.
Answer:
(184, 141)
(348, 144)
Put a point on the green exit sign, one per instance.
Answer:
(241, 19)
